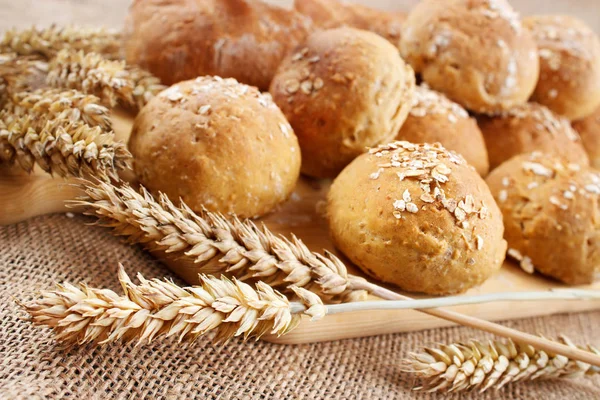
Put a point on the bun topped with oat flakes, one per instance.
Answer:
(218, 144)
(530, 127)
(434, 118)
(417, 216)
(474, 51)
(569, 52)
(551, 212)
(342, 91)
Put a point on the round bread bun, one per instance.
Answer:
(474, 51)
(182, 39)
(218, 144)
(589, 131)
(530, 127)
(344, 90)
(417, 216)
(434, 118)
(329, 14)
(569, 54)
(551, 215)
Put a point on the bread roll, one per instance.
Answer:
(416, 216)
(343, 90)
(329, 14)
(474, 51)
(183, 39)
(551, 215)
(569, 52)
(218, 144)
(530, 127)
(434, 118)
(589, 132)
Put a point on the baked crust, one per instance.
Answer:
(551, 215)
(589, 132)
(218, 144)
(343, 90)
(434, 118)
(530, 127)
(329, 14)
(182, 39)
(417, 216)
(569, 52)
(476, 52)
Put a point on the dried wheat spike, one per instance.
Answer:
(69, 105)
(156, 308)
(48, 42)
(113, 81)
(216, 244)
(61, 147)
(476, 365)
(20, 73)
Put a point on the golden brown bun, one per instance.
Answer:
(343, 90)
(530, 127)
(183, 39)
(329, 14)
(434, 118)
(217, 144)
(474, 51)
(589, 131)
(551, 215)
(569, 52)
(417, 216)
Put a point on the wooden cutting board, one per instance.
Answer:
(24, 196)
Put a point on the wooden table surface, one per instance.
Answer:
(110, 13)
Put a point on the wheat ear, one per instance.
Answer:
(156, 308)
(475, 365)
(113, 81)
(49, 41)
(214, 244)
(61, 147)
(68, 105)
(19, 73)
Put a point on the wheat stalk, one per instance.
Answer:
(60, 147)
(112, 81)
(49, 41)
(68, 105)
(475, 365)
(157, 308)
(216, 244)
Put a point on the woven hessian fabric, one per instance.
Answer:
(44, 250)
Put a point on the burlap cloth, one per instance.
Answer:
(36, 253)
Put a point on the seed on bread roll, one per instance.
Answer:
(527, 128)
(434, 118)
(183, 39)
(589, 132)
(569, 54)
(474, 51)
(329, 14)
(417, 216)
(551, 215)
(343, 90)
(218, 144)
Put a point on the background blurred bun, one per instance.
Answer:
(183, 39)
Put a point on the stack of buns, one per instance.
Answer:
(517, 97)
